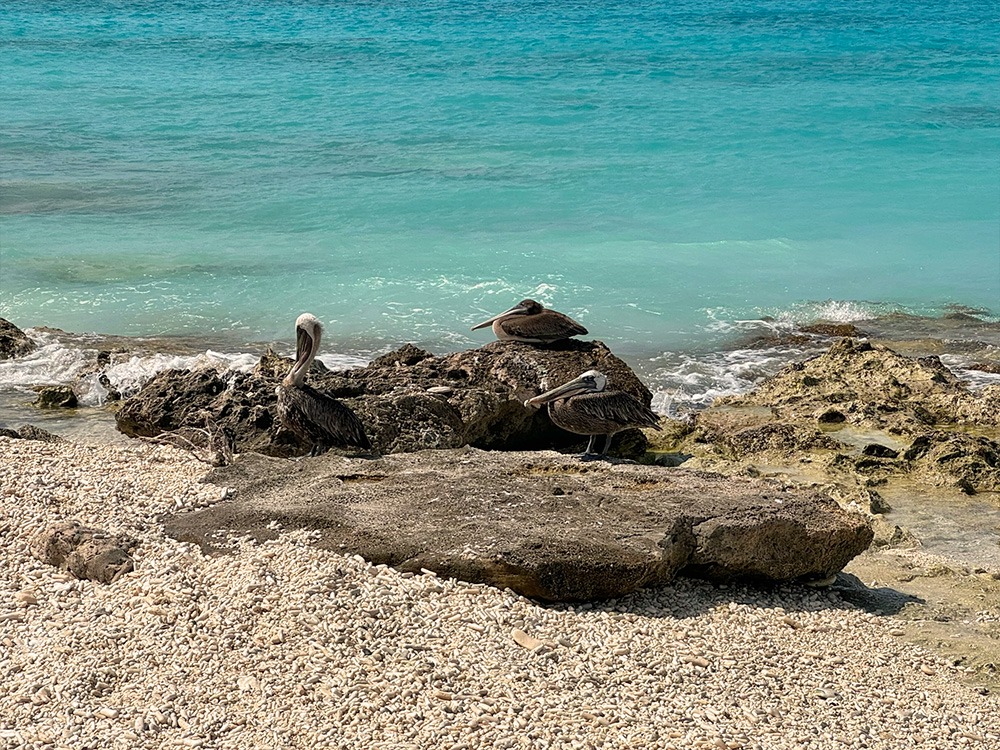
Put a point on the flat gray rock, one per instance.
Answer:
(546, 525)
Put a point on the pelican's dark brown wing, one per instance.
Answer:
(603, 413)
(320, 419)
(543, 327)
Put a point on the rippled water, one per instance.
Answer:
(402, 168)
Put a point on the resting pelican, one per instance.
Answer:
(530, 322)
(584, 407)
(313, 416)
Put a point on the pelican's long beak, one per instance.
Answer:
(572, 388)
(303, 348)
(515, 310)
(303, 344)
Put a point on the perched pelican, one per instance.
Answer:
(313, 416)
(530, 322)
(584, 407)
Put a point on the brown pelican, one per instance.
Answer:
(530, 322)
(584, 407)
(313, 416)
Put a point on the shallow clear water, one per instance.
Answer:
(403, 169)
(950, 524)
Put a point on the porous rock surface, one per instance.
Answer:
(546, 526)
(31, 432)
(87, 553)
(13, 341)
(408, 399)
(861, 413)
(863, 383)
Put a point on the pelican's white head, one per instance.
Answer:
(595, 380)
(591, 381)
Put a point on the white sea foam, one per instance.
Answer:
(55, 362)
(685, 382)
(51, 363)
(722, 320)
(836, 311)
(336, 361)
(976, 379)
(128, 377)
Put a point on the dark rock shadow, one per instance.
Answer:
(879, 601)
(688, 597)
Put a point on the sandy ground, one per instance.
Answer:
(282, 645)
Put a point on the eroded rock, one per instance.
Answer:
(55, 397)
(13, 341)
(408, 400)
(547, 526)
(86, 553)
(869, 385)
(859, 414)
(969, 462)
(31, 432)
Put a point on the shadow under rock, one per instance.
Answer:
(686, 597)
(879, 601)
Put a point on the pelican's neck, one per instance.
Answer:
(307, 345)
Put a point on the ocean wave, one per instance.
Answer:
(746, 351)
(57, 361)
(51, 363)
(684, 381)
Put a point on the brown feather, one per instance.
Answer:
(546, 326)
(319, 419)
(602, 413)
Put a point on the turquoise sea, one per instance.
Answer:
(668, 173)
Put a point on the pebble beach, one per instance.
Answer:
(283, 645)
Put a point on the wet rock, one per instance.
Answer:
(892, 536)
(872, 386)
(56, 397)
(833, 330)
(30, 432)
(13, 341)
(991, 367)
(408, 400)
(86, 553)
(831, 416)
(879, 451)
(548, 527)
(958, 459)
(856, 496)
(170, 400)
(782, 437)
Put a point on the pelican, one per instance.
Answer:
(530, 322)
(315, 417)
(584, 407)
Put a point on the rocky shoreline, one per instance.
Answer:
(852, 424)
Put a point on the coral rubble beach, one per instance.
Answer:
(283, 644)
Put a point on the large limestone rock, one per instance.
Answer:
(408, 400)
(864, 384)
(859, 413)
(13, 341)
(547, 526)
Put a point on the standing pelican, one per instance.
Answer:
(313, 416)
(530, 322)
(584, 407)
